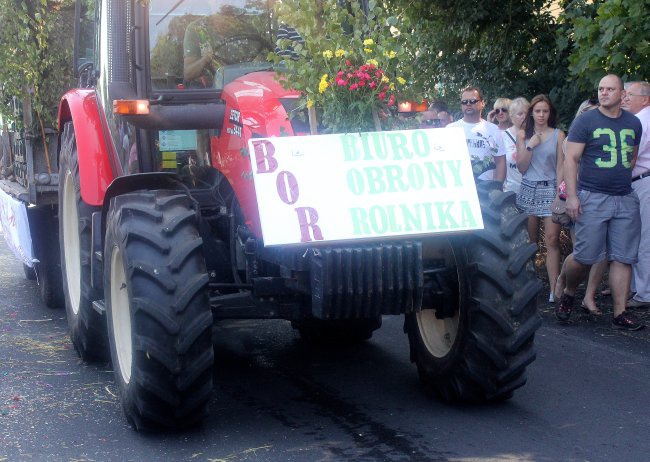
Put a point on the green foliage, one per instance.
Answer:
(35, 54)
(608, 36)
(508, 49)
(338, 52)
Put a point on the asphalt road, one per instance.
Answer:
(276, 400)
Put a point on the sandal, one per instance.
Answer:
(586, 309)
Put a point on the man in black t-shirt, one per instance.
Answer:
(604, 144)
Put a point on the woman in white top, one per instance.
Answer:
(517, 111)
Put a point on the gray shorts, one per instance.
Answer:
(608, 226)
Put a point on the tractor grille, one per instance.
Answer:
(365, 281)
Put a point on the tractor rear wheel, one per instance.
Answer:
(159, 316)
(87, 326)
(46, 249)
(473, 338)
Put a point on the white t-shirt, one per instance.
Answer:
(513, 175)
(483, 139)
(643, 161)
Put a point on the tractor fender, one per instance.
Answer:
(123, 185)
(95, 168)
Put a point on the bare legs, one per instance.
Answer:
(552, 241)
(595, 277)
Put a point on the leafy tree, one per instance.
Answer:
(606, 36)
(506, 48)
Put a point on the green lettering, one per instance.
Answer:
(375, 177)
(454, 167)
(360, 224)
(437, 172)
(611, 148)
(365, 142)
(379, 143)
(420, 142)
(428, 213)
(398, 143)
(415, 176)
(355, 181)
(466, 216)
(412, 218)
(350, 148)
(626, 149)
(394, 175)
(378, 219)
(392, 220)
(444, 215)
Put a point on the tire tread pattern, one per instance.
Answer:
(171, 381)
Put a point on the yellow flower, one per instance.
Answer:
(368, 50)
(322, 86)
(339, 53)
(373, 62)
(390, 54)
(327, 54)
(401, 80)
(384, 79)
(310, 103)
(392, 86)
(368, 42)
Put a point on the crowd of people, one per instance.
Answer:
(600, 168)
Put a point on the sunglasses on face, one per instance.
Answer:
(499, 110)
(432, 122)
(469, 102)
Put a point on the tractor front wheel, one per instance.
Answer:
(159, 316)
(473, 338)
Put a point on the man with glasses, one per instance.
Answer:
(637, 101)
(484, 140)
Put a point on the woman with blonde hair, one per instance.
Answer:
(540, 160)
(517, 111)
(499, 114)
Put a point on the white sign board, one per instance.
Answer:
(352, 186)
(15, 227)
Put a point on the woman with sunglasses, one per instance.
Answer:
(499, 114)
(540, 160)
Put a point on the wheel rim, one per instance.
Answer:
(121, 315)
(71, 250)
(439, 335)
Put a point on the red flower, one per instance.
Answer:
(391, 100)
(341, 82)
(381, 95)
(353, 87)
(372, 85)
(347, 61)
(362, 83)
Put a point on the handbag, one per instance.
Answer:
(558, 212)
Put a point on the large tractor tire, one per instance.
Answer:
(87, 326)
(158, 311)
(473, 338)
(339, 331)
(46, 249)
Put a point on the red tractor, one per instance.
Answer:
(160, 232)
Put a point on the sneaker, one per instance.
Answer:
(626, 321)
(564, 308)
(634, 303)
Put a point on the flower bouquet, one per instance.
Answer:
(351, 69)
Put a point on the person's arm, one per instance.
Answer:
(559, 153)
(524, 154)
(499, 168)
(571, 160)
